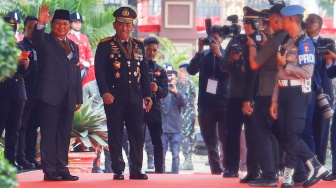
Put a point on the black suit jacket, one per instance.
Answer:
(128, 84)
(57, 74)
(326, 82)
(161, 80)
(13, 88)
(208, 69)
(30, 76)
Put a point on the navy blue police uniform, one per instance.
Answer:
(12, 101)
(122, 71)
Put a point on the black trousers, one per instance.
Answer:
(10, 120)
(155, 131)
(28, 132)
(56, 126)
(213, 128)
(130, 115)
(267, 147)
(235, 120)
(333, 144)
(292, 108)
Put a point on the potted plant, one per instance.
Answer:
(7, 174)
(89, 132)
(9, 53)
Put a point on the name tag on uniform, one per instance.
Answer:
(212, 86)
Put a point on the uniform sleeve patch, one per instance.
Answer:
(306, 53)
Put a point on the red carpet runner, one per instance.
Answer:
(35, 180)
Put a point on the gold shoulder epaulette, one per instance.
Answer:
(105, 39)
(139, 40)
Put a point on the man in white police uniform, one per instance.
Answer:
(292, 95)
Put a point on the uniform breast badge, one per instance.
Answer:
(128, 63)
(116, 65)
(117, 74)
(135, 74)
(112, 56)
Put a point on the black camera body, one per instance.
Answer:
(323, 49)
(208, 24)
(234, 28)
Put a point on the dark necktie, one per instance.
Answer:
(66, 47)
(125, 45)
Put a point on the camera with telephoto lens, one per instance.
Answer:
(208, 24)
(323, 49)
(323, 102)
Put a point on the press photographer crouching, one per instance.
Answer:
(212, 94)
(159, 84)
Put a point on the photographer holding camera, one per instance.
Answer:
(319, 112)
(171, 118)
(265, 61)
(212, 98)
(159, 85)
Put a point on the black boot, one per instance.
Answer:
(316, 172)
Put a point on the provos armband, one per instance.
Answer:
(306, 53)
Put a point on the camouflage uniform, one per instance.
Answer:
(188, 116)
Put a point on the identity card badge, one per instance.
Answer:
(212, 86)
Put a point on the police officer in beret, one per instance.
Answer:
(12, 101)
(85, 52)
(122, 75)
(292, 95)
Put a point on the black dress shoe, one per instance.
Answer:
(53, 176)
(36, 163)
(230, 174)
(263, 182)
(69, 177)
(118, 176)
(25, 164)
(138, 177)
(248, 178)
(330, 177)
(16, 165)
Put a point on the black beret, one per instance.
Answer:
(14, 15)
(61, 14)
(76, 16)
(250, 13)
(125, 14)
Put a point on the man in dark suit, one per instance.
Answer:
(30, 79)
(316, 131)
(59, 91)
(12, 100)
(123, 79)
